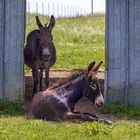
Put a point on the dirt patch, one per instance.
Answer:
(84, 105)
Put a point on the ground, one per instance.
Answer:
(84, 105)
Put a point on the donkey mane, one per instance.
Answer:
(70, 80)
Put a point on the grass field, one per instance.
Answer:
(19, 128)
(15, 126)
(78, 41)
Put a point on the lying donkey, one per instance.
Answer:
(58, 102)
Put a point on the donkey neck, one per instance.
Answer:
(74, 94)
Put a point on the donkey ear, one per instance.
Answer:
(38, 22)
(91, 66)
(92, 71)
(52, 22)
(97, 67)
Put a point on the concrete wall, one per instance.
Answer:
(12, 27)
(122, 73)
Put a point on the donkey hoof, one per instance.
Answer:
(108, 122)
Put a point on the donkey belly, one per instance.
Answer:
(47, 105)
(53, 57)
(45, 113)
(52, 62)
(43, 110)
(28, 57)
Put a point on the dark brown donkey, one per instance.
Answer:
(40, 53)
(57, 103)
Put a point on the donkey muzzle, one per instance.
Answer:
(45, 57)
(99, 101)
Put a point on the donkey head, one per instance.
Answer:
(45, 38)
(91, 87)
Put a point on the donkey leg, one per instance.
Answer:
(84, 117)
(99, 119)
(105, 121)
(40, 78)
(80, 116)
(59, 116)
(35, 79)
(92, 115)
(47, 77)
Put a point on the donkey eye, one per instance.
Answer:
(40, 40)
(51, 39)
(93, 85)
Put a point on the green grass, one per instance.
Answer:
(15, 126)
(121, 111)
(22, 129)
(78, 41)
(8, 108)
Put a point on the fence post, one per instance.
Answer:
(53, 9)
(36, 8)
(28, 12)
(57, 9)
(42, 11)
(70, 11)
(92, 7)
(67, 10)
(62, 10)
(48, 9)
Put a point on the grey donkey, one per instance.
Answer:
(57, 103)
(40, 53)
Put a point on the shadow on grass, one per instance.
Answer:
(8, 108)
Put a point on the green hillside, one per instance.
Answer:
(78, 41)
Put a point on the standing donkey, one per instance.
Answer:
(40, 53)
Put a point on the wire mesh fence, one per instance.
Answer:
(57, 9)
(60, 9)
